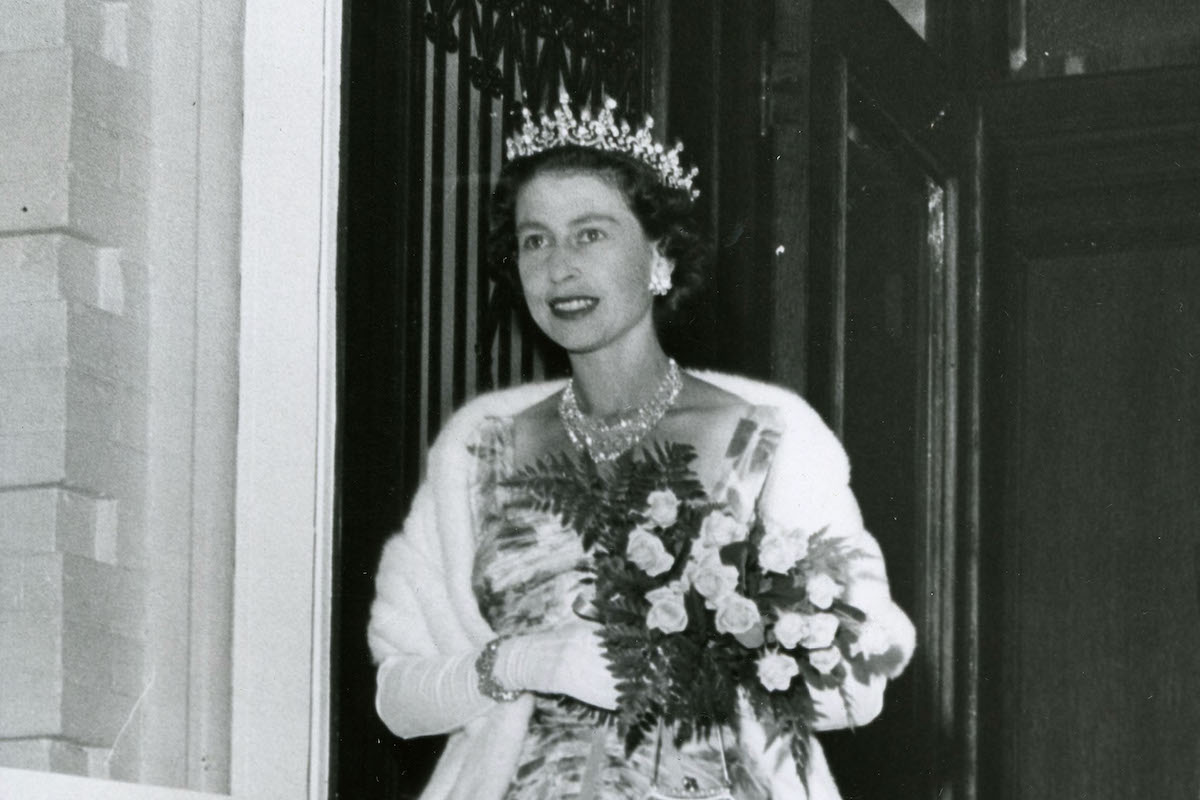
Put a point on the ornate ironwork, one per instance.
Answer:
(591, 47)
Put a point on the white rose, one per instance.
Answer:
(667, 612)
(822, 590)
(714, 580)
(872, 640)
(700, 555)
(825, 659)
(662, 508)
(674, 589)
(810, 630)
(789, 629)
(777, 553)
(736, 614)
(647, 552)
(720, 529)
(821, 630)
(775, 671)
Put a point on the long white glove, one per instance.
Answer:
(567, 660)
(425, 696)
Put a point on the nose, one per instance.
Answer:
(561, 264)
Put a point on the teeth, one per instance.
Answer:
(573, 304)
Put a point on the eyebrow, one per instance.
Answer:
(580, 220)
(593, 218)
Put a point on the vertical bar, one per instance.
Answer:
(503, 363)
(462, 233)
(437, 186)
(521, 361)
(419, 393)
(764, 82)
(574, 75)
(972, 387)
(531, 90)
(483, 215)
(950, 471)
(656, 66)
(1018, 36)
(837, 361)
(477, 186)
(790, 137)
(450, 227)
(938, 402)
(925, 462)
(410, 209)
(714, 163)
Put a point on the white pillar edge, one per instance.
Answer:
(320, 732)
(286, 446)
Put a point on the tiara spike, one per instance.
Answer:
(601, 131)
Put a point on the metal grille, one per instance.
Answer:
(484, 59)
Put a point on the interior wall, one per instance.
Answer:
(118, 283)
(75, 184)
(1097, 627)
(1077, 37)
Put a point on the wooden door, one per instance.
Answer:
(1092, 596)
(867, 324)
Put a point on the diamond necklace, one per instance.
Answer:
(606, 441)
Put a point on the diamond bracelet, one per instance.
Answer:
(488, 684)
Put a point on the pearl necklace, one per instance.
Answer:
(606, 441)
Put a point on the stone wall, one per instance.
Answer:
(102, 227)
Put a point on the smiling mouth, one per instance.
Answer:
(571, 307)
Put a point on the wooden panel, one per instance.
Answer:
(897, 399)
(714, 106)
(1095, 163)
(903, 67)
(788, 94)
(1097, 651)
(1056, 37)
(1083, 105)
(883, 403)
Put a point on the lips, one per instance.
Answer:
(573, 307)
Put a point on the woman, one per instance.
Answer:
(475, 624)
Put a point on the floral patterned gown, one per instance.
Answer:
(527, 575)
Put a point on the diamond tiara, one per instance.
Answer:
(601, 132)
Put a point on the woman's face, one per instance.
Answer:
(584, 261)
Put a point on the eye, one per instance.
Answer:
(591, 235)
(532, 241)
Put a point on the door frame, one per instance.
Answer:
(821, 52)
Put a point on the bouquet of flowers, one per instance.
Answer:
(698, 607)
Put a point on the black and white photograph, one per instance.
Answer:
(599, 399)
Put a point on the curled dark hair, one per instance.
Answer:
(667, 216)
